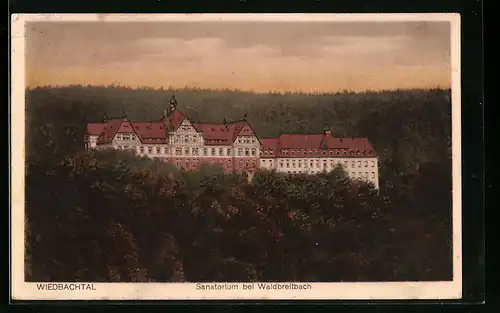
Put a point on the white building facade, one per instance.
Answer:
(234, 146)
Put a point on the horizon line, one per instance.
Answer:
(196, 88)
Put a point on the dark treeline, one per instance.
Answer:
(112, 216)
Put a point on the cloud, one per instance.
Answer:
(242, 55)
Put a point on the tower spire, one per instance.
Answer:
(327, 130)
(173, 102)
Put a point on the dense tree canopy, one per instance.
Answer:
(112, 216)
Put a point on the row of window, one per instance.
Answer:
(125, 137)
(195, 162)
(337, 152)
(246, 152)
(300, 164)
(185, 138)
(192, 151)
(246, 140)
(354, 174)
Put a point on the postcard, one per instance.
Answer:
(235, 157)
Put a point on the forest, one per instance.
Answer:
(110, 216)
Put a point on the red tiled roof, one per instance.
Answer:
(95, 128)
(314, 145)
(173, 120)
(243, 128)
(149, 130)
(217, 134)
(269, 147)
(223, 134)
(110, 129)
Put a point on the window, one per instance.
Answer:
(353, 164)
(194, 138)
(247, 152)
(287, 165)
(331, 164)
(311, 165)
(228, 151)
(317, 164)
(186, 138)
(293, 164)
(270, 162)
(239, 140)
(240, 152)
(366, 174)
(324, 165)
(195, 151)
(125, 147)
(178, 151)
(213, 151)
(254, 151)
(205, 151)
(157, 150)
(281, 164)
(150, 149)
(299, 164)
(178, 138)
(186, 151)
(373, 175)
(373, 163)
(366, 163)
(141, 149)
(359, 163)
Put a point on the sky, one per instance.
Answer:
(259, 56)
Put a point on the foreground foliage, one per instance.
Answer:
(111, 216)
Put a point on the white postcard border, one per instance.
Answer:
(21, 290)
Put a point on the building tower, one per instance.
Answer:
(173, 102)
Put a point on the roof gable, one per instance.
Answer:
(126, 127)
(173, 120)
(109, 131)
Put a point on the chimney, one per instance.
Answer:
(104, 119)
(245, 117)
(165, 113)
